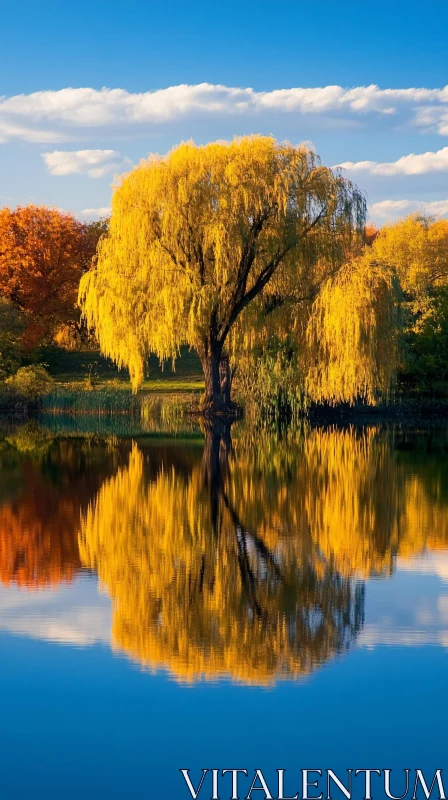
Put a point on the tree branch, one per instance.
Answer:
(264, 277)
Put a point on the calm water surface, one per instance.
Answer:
(247, 600)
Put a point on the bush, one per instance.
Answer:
(269, 380)
(31, 382)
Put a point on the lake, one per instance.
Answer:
(219, 599)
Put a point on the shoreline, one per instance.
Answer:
(166, 404)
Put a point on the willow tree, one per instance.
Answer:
(199, 235)
(417, 248)
(353, 334)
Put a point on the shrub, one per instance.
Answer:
(31, 382)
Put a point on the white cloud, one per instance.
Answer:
(411, 164)
(392, 209)
(94, 213)
(74, 614)
(71, 111)
(11, 130)
(434, 562)
(94, 163)
(432, 118)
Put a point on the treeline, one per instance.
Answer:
(379, 325)
(255, 254)
(395, 279)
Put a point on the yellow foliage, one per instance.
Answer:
(197, 235)
(417, 247)
(353, 334)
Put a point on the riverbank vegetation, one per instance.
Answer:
(231, 275)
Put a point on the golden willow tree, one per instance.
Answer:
(418, 249)
(199, 237)
(353, 334)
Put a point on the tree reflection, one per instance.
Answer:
(201, 592)
(245, 555)
(363, 496)
(50, 482)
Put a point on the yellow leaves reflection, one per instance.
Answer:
(248, 560)
(196, 591)
(254, 570)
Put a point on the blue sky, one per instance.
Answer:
(240, 68)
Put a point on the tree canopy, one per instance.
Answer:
(43, 253)
(353, 334)
(11, 329)
(417, 249)
(200, 236)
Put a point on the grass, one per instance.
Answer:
(76, 400)
(87, 370)
(86, 383)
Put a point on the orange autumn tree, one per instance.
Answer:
(43, 253)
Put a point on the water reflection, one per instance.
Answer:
(45, 485)
(244, 556)
(198, 591)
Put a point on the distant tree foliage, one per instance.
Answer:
(43, 253)
(11, 328)
(417, 249)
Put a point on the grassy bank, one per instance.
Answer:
(84, 382)
(90, 370)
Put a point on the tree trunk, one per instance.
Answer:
(218, 381)
(215, 458)
(225, 376)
